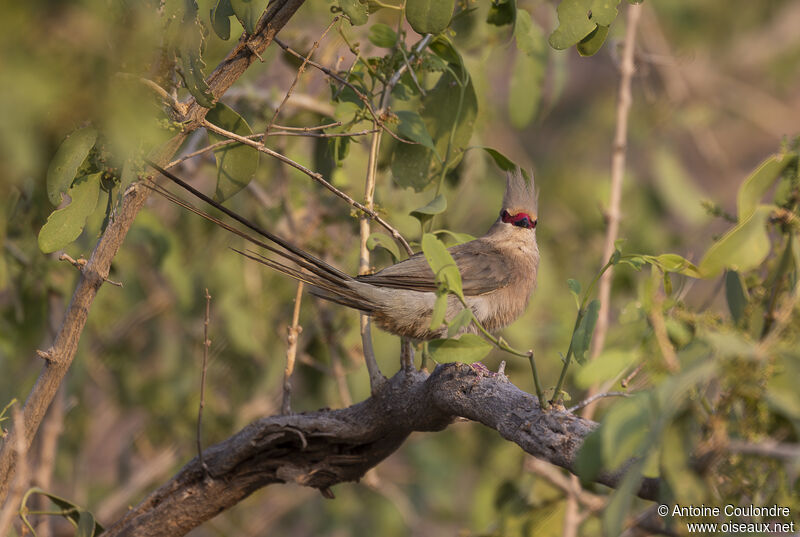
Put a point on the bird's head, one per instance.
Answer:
(520, 204)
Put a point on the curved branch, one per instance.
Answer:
(321, 449)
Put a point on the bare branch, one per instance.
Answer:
(321, 449)
(206, 347)
(291, 351)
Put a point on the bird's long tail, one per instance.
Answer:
(326, 281)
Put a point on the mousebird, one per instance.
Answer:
(498, 270)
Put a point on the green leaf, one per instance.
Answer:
(248, 12)
(527, 76)
(65, 225)
(412, 127)
(468, 348)
(86, 524)
(436, 206)
(589, 460)
(429, 16)
(356, 11)
(381, 35)
(573, 23)
(757, 184)
(411, 166)
(439, 311)
(604, 12)
(575, 289)
(376, 240)
(220, 18)
(617, 509)
(69, 157)
(582, 336)
(742, 248)
(625, 429)
(461, 320)
(442, 264)
(236, 163)
(192, 66)
(459, 238)
(502, 12)
(674, 263)
(71, 511)
(589, 45)
(735, 295)
(505, 163)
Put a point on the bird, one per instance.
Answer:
(498, 270)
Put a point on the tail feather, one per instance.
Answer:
(326, 281)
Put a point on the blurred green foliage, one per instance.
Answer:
(714, 94)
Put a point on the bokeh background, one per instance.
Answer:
(716, 90)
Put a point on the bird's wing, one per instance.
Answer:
(480, 264)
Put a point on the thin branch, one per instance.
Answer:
(291, 351)
(618, 157)
(297, 76)
(363, 98)
(589, 400)
(206, 347)
(315, 176)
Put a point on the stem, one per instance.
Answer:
(568, 357)
(536, 384)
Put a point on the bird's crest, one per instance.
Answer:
(521, 194)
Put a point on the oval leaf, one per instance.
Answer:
(376, 240)
(221, 19)
(442, 264)
(437, 206)
(236, 163)
(356, 11)
(381, 35)
(429, 16)
(754, 187)
(742, 248)
(582, 336)
(65, 225)
(412, 127)
(573, 23)
(589, 45)
(69, 157)
(468, 348)
(248, 12)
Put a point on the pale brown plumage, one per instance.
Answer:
(498, 271)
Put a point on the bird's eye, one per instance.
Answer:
(523, 222)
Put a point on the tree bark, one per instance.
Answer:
(321, 449)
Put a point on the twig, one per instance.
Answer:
(285, 131)
(769, 448)
(206, 346)
(556, 477)
(618, 157)
(589, 400)
(363, 98)
(291, 351)
(315, 176)
(297, 76)
(80, 264)
(374, 371)
(624, 382)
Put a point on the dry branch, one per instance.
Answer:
(321, 449)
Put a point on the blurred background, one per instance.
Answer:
(716, 91)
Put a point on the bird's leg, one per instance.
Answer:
(406, 354)
(376, 378)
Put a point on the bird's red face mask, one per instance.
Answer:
(520, 219)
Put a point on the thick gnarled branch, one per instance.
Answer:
(321, 449)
